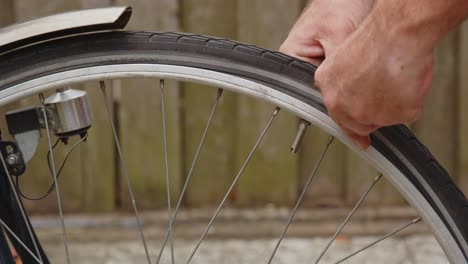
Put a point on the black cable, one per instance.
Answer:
(17, 185)
(52, 186)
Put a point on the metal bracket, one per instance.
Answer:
(67, 114)
(13, 158)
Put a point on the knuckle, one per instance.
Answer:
(403, 116)
(363, 130)
(360, 115)
(413, 110)
(413, 115)
(319, 76)
(384, 119)
(331, 102)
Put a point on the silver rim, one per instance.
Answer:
(263, 92)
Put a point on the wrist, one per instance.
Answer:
(331, 15)
(418, 23)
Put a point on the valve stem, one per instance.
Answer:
(301, 130)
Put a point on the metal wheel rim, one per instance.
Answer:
(243, 86)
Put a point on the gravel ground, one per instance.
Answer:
(413, 249)
(242, 236)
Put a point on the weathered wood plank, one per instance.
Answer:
(140, 118)
(271, 177)
(7, 12)
(359, 177)
(26, 10)
(329, 186)
(437, 126)
(214, 170)
(88, 180)
(92, 164)
(97, 155)
(462, 144)
(38, 178)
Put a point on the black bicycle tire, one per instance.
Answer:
(79, 51)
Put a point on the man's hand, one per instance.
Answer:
(376, 78)
(323, 26)
(377, 66)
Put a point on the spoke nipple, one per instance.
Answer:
(9, 149)
(61, 89)
(12, 159)
(301, 130)
(330, 140)
(41, 98)
(103, 85)
(220, 92)
(378, 177)
(416, 220)
(277, 109)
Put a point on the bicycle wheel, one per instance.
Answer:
(263, 74)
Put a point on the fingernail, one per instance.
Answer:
(363, 146)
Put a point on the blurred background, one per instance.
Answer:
(92, 182)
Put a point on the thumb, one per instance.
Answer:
(311, 52)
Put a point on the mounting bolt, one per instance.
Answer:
(12, 159)
(9, 149)
(51, 124)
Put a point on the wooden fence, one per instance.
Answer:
(92, 180)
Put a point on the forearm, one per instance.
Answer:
(425, 21)
(330, 13)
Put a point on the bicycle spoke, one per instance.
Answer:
(168, 184)
(189, 175)
(125, 170)
(54, 174)
(301, 197)
(363, 197)
(414, 221)
(244, 165)
(19, 241)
